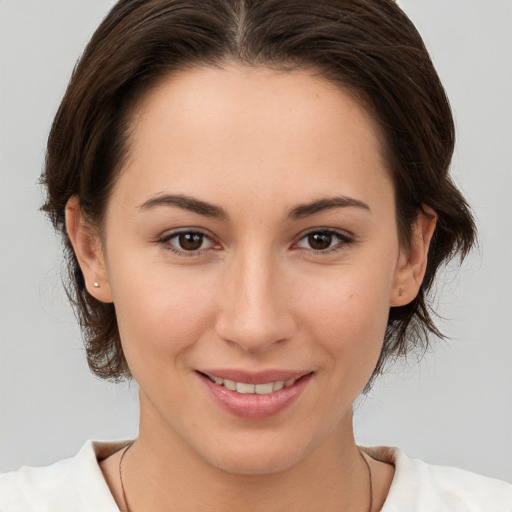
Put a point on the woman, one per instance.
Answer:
(255, 201)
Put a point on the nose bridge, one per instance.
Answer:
(252, 313)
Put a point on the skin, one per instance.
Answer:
(256, 143)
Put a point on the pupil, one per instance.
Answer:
(319, 241)
(190, 241)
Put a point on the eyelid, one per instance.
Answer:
(165, 238)
(345, 239)
(167, 235)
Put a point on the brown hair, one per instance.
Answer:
(368, 47)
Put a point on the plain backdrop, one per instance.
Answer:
(452, 408)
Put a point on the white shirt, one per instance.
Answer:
(77, 485)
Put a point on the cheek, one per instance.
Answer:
(347, 315)
(160, 313)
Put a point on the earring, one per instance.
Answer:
(96, 285)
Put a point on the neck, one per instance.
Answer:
(161, 469)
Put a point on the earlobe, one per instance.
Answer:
(412, 262)
(88, 250)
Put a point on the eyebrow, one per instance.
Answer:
(213, 211)
(186, 203)
(329, 203)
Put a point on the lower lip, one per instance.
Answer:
(253, 406)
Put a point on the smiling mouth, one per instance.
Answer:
(255, 389)
(261, 397)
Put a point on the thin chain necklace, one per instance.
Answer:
(370, 483)
(129, 445)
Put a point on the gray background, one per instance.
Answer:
(452, 408)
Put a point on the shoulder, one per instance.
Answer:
(421, 487)
(71, 485)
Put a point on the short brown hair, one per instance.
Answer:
(367, 47)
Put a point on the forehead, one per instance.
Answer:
(253, 128)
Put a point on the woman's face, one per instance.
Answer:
(250, 240)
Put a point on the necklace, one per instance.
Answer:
(125, 501)
(130, 443)
(370, 483)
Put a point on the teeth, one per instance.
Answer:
(230, 384)
(241, 387)
(264, 389)
(289, 382)
(278, 385)
(259, 389)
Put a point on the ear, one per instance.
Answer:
(412, 261)
(88, 250)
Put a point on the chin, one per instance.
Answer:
(255, 464)
(261, 453)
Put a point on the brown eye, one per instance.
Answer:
(190, 241)
(320, 241)
(187, 242)
(324, 240)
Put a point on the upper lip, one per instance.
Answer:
(259, 377)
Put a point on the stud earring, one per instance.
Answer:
(96, 285)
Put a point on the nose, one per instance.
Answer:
(255, 313)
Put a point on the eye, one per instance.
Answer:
(324, 240)
(187, 242)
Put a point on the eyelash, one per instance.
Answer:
(165, 241)
(343, 241)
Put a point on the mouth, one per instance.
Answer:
(263, 388)
(257, 396)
